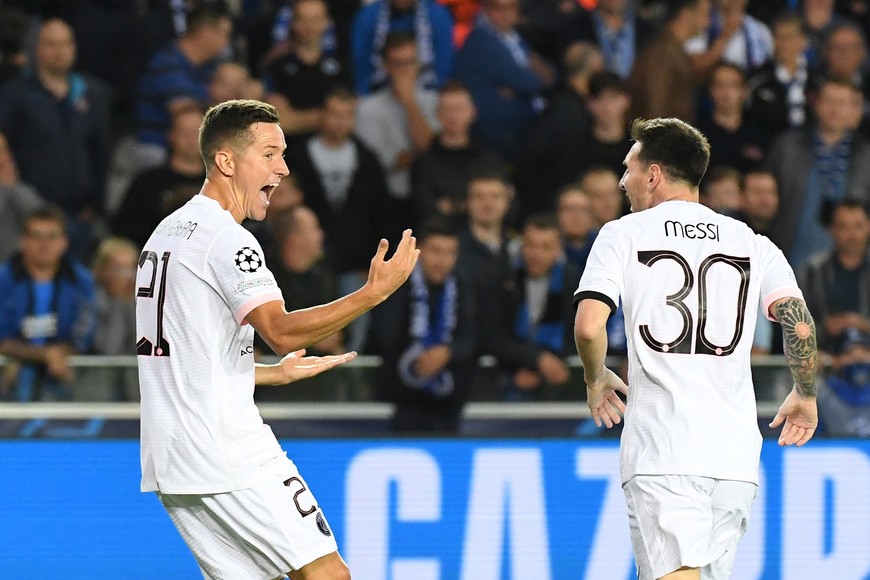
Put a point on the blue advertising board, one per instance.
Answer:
(421, 509)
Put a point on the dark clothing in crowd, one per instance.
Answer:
(423, 405)
(441, 172)
(152, 196)
(355, 225)
(61, 146)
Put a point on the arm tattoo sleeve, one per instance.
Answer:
(799, 343)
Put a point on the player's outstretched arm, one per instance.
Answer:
(296, 366)
(289, 331)
(798, 411)
(602, 384)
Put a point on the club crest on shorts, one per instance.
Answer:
(322, 525)
(248, 260)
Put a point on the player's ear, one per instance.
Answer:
(654, 174)
(224, 162)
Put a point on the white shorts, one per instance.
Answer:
(681, 520)
(261, 532)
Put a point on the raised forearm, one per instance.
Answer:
(799, 343)
(311, 325)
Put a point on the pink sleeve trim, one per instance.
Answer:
(257, 300)
(776, 295)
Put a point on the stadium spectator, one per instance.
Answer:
(17, 200)
(57, 114)
(615, 26)
(663, 82)
(606, 138)
(733, 36)
(837, 281)
(844, 56)
(114, 271)
(47, 312)
(817, 166)
(525, 323)
(542, 25)
(540, 165)
(601, 184)
(759, 200)
(483, 240)
(504, 77)
(734, 141)
(427, 335)
(819, 17)
(425, 21)
(230, 81)
(302, 272)
(441, 173)
(269, 33)
(343, 183)
(157, 192)
(777, 98)
(110, 45)
(578, 227)
(399, 121)
(720, 190)
(297, 82)
(178, 74)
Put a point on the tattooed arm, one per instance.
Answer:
(798, 411)
(799, 343)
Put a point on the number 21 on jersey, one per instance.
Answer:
(160, 346)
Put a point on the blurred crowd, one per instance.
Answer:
(495, 128)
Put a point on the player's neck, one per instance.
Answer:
(223, 194)
(675, 194)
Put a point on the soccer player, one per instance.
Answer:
(202, 290)
(691, 282)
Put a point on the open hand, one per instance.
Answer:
(801, 419)
(604, 402)
(385, 276)
(296, 366)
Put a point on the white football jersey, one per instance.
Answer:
(691, 282)
(199, 275)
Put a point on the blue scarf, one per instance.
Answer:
(423, 36)
(549, 334)
(426, 333)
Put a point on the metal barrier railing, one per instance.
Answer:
(337, 410)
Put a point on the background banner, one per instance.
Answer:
(431, 509)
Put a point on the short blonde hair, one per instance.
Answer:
(107, 248)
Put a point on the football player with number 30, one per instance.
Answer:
(691, 282)
(202, 290)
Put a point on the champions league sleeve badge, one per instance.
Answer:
(248, 260)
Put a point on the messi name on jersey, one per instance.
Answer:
(699, 231)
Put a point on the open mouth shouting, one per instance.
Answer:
(266, 192)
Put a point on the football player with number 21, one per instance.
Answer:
(202, 290)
